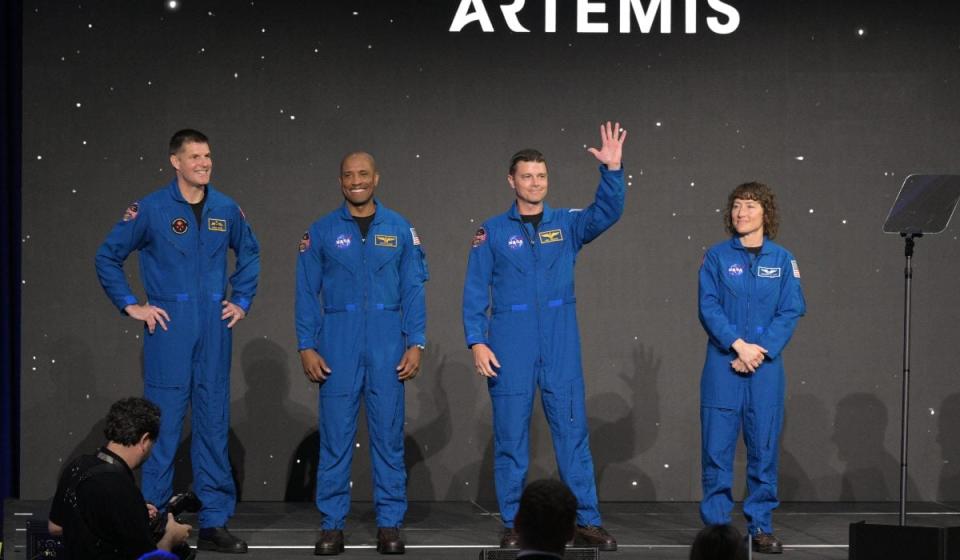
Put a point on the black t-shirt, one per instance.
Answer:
(198, 207)
(364, 223)
(533, 219)
(109, 519)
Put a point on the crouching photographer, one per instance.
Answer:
(98, 509)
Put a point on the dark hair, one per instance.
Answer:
(762, 194)
(545, 520)
(184, 136)
(528, 154)
(130, 418)
(719, 542)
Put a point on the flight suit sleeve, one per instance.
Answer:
(413, 302)
(130, 234)
(712, 316)
(476, 289)
(790, 307)
(606, 209)
(247, 272)
(308, 316)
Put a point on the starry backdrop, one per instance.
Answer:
(831, 103)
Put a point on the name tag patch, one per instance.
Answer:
(552, 236)
(385, 240)
(768, 272)
(216, 224)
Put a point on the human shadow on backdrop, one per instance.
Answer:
(621, 430)
(266, 419)
(871, 473)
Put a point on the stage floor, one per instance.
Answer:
(453, 530)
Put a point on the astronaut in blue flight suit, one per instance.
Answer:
(361, 321)
(182, 233)
(519, 319)
(749, 303)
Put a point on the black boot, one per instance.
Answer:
(219, 539)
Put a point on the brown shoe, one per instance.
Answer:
(766, 543)
(595, 536)
(330, 543)
(389, 540)
(509, 538)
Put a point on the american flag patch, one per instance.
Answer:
(796, 269)
(416, 238)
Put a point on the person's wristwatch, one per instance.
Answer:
(420, 346)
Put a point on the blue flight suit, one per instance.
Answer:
(360, 304)
(183, 267)
(758, 299)
(518, 298)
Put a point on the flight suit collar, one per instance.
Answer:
(548, 212)
(766, 249)
(174, 189)
(377, 216)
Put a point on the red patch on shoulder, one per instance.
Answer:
(479, 238)
(131, 212)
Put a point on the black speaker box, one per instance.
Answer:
(571, 553)
(900, 542)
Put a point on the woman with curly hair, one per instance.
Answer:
(749, 303)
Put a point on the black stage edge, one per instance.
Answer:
(572, 553)
(453, 530)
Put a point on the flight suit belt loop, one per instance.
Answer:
(518, 307)
(351, 307)
(182, 297)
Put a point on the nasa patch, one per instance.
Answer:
(343, 241)
(735, 270)
(304, 242)
(179, 226)
(515, 242)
